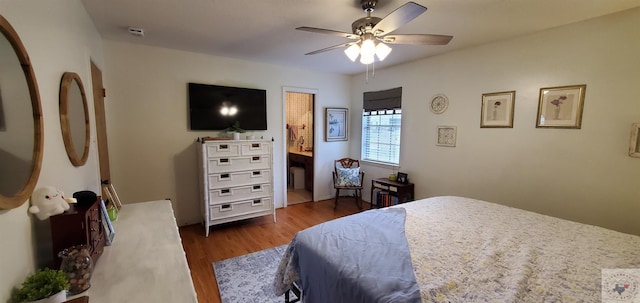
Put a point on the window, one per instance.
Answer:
(381, 136)
(381, 124)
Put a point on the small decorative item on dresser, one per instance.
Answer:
(77, 264)
(403, 178)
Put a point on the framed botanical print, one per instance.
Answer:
(497, 109)
(561, 107)
(336, 127)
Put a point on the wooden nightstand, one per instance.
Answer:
(404, 192)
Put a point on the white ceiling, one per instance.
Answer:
(264, 30)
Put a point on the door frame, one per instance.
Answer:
(283, 127)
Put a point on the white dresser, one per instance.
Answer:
(146, 262)
(236, 180)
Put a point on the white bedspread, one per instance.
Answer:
(465, 250)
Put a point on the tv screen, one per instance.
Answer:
(214, 107)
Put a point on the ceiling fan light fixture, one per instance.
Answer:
(382, 51)
(352, 52)
(368, 48)
(368, 59)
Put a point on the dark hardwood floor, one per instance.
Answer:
(247, 236)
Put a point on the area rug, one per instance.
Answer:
(249, 278)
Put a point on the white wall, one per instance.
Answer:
(58, 36)
(578, 174)
(151, 149)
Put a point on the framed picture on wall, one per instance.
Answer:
(561, 107)
(497, 109)
(336, 124)
(446, 135)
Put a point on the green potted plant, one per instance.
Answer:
(236, 130)
(44, 286)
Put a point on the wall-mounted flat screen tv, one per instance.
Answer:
(215, 107)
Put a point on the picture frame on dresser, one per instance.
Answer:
(402, 177)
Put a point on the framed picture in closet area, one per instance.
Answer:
(336, 124)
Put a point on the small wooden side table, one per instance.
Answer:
(403, 191)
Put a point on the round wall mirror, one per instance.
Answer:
(74, 118)
(20, 121)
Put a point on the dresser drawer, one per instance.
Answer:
(239, 178)
(230, 194)
(255, 148)
(222, 149)
(228, 164)
(239, 208)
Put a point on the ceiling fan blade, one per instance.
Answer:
(401, 16)
(425, 39)
(330, 48)
(327, 32)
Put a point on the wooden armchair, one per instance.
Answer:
(351, 179)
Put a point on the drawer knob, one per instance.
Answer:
(224, 146)
(224, 176)
(256, 158)
(224, 160)
(257, 173)
(256, 187)
(255, 145)
(225, 191)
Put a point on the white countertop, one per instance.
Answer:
(303, 153)
(146, 262)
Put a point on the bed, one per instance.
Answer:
(455, 249)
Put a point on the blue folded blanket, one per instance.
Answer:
(360, 258)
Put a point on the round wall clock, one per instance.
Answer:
(439, 103)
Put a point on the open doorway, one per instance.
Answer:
(300, 138)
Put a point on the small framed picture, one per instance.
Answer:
(634, 143)
(497, 109)
(336, 124)
(446, 136)
(561, 107)
(402, 178)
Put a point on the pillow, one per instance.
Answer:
(349, 176)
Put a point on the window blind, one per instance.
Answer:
(381, 126)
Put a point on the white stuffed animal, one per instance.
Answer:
(48, 201)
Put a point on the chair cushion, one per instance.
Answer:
(349, 176)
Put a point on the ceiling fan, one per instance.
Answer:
(371, 34)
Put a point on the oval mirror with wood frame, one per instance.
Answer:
(74, 118)
(21, 130)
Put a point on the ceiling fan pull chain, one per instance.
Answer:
(373, 69)
(367, 75)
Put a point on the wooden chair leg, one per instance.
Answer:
(358, 196)
(335, 205)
